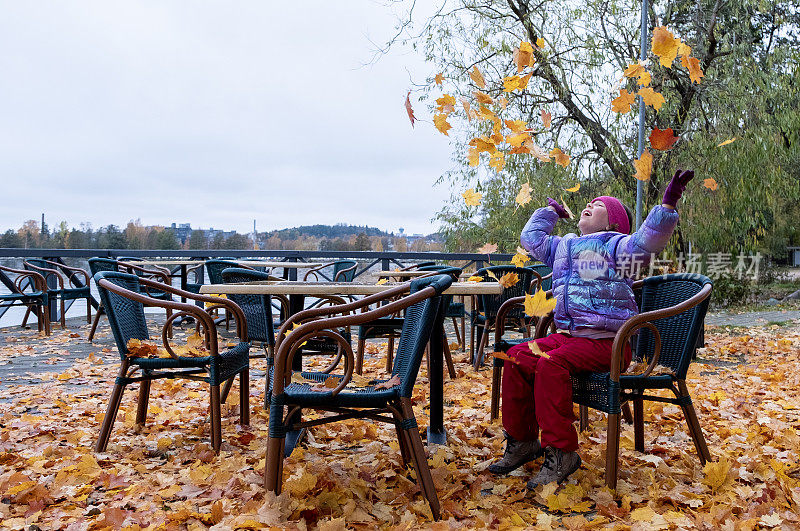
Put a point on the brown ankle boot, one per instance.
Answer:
(517, 453)
(557, 466)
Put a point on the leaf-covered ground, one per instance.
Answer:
(348, 475)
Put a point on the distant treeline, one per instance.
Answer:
(340, 237)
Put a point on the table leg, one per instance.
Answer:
(184, 279)
(296, 303)
(436, 431)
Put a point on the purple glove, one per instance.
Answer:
(676, 186)
(558, 208)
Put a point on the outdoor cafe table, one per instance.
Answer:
(298, 290)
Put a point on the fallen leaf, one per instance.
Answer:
(409, 110)
(477, 77)
(383, 281)
(388, 384)
(662, 139)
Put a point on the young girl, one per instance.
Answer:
(593, 299)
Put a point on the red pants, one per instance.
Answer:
(537, 392)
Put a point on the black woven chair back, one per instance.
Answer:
(454, 272)
(543, 270)
(125, 316)
(679, 333)
(345, 276)
(257, 308)
(490, 304)
(417, 328)
(215, 269)
(102, 264)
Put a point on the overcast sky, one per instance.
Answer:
(213, 113)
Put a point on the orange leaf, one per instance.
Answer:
(651, 97)
(438, 79)
(546, 118)
(517, 139)
(409, 110)
(441, 123)
(446, 104)
(516, 126)
(502, 356)
(665, 46)
(561, 158)
(497, 161)
(483, 99)
(395, 380)
(471, 197)
(468, 109)
(662, 139)
(477, 77)
(489, 248)
(644, 166)
(624, 102)
(726, 142)
(710, 183)
(692, 64)
(638, 70)
(574, 188)
(509, 279)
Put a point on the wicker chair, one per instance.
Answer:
(393, 405)
(546, 272)
(665, 333)
(343, 271)
(485, 313)
(35, 298)
(61, 288)
(124, 299)
(96, 265)
(454, 310)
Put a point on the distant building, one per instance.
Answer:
(182, 231)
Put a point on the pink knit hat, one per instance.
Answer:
(616, 212)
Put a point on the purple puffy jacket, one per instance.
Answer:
(591, 273)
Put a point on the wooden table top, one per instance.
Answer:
(339, 288)
(267, 263)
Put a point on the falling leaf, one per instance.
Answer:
(726, 142)
(388, 384)
(483, 99)
(566, 207)
(710, 183)
(497, 161)
(383, 281)
(574, 188)
(524, 195)
(523, 56)
(489, 248)
(441, 123)
(639, 71)
(473, 156)
(520, 259)
(692, 64)
(644, 166)
(438, 79)
(471, 197)
(516, 126)
(540, 43)
(477, 77)
(502, 101)
(508, 280)
(665, 45)
(662, 139)
(537, 152)
(651, 97)
(468, 109)
(513, 83)
(446, 104)
(561, 158)
(538, 304)
(624, 102)
(502, 356)
(546, 118)
(409, 110)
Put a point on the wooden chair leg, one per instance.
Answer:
(402, 440)
(420, 460)
(627, 416)
(694, 425)
(226, 388)
(472, 328)
(216, 419)
(612, 450)
(46, 314)
(458, 335)
(88, 310)
(144, 399)
(63, 314)
(583, 415)
(448, 359)
(463, 334)
(95, 322)
(169, 330)
(497, 379)
(485, 329)
(244, 397)
(276, 446)
(111, 412)
(638, 424)
(360, 355)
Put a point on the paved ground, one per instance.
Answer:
(752, 318)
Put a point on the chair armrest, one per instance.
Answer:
(39, 282)
(646, 320)
(314, 271)
(46, 272)
(288, 347)
(77, 270)
(159, 272)
(536, 283)
(506, 307)
(345, 271)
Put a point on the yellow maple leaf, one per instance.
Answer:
(639, 71)
(511, 83)
(473, 156)
(665, 46)
(644, 166)
(484, 144)
(692, 64)
(716, 473)
(477, 77)
(516, 126)
(497, 161)
(471, 197)
(383, 281)
(441, 123)
(574, 188)
(488, 248)
(710, 183)
(438, 79)
(517, 139)
(300, 483)
(524, 195)
(508, 280)
(624, 102)
(651, 97)
(520, 259)
(475, 278)
(446, 104)
(538, 304)
(523, 56)
(726, 142)
(540, 43)
(561, 158)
